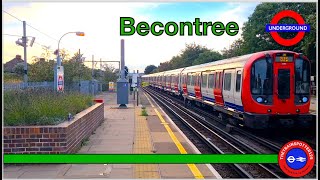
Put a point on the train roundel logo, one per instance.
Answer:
(274, 28)
(296, 158)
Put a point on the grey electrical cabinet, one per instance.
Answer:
(122, 91)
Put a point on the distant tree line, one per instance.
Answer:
(42, 69)
(254, 38)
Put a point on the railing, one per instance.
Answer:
(12, 86)
(85, 87)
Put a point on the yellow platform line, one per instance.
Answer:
(194, 169)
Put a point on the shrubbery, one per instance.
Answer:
(42, 106)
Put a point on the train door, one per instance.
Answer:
(208, 86)
(159, 82)
(172, 82)
(204, 85)
(175, 84)
(197, 87)
(228, 86)
(190, 86)
(218, 88)
(168, 82)
(284, 86)
(238, 89)
(180, 83)
(184, 84)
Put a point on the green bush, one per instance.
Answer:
(42, 107)
(144, 112)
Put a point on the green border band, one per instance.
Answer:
(138, 158)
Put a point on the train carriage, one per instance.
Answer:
(173, 81)
(256, 90)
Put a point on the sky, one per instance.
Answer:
(101, 23)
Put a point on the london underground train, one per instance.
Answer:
(257, 90)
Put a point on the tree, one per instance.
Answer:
(236, 49)
(207, 56)
(47, 52)
(19, 69)
(74, 70)
(41, 71)
(186, 57)
(149, 69)
(164, 66)
(257, 39)
(154, 71)
(189, 55)
(110, 74)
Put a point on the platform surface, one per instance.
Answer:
(313, 105)
(125, 131)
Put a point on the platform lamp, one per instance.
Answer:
(78, 33)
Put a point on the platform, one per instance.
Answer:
(313, 105)
(125, 131)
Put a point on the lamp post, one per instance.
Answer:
(59, 85)
(58, 53)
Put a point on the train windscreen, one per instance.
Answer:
(302, 77)
(262, 77)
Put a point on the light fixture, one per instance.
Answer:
(259, 99)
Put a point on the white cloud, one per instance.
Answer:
(101, 24)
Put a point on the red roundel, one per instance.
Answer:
(296, 158)
(277, 37)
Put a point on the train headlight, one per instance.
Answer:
(259, 99)
(304, 99)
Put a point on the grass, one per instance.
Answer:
(84, 142)
(12, 78)
(42, 107)
(144, 112)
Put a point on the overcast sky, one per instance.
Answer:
(101, 24)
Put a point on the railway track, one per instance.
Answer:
(217, 140)
(264, 143)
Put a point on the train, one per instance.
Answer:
(258, 90)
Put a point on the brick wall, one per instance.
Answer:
(63, 138)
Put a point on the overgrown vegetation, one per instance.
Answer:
(12, 78)
(84, 142)
(144, 111)
(42, 107)
(41, 69)
(254, 38)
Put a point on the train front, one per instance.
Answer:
(279, 86)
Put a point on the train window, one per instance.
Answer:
(185, 79)
(302, 76)
(194, 78)
(284, 83)
(204, 80)
(211, 81)
(227, 81)
(261, 77)
(190, 79)
(238, 81)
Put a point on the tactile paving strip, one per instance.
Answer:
(143, 145)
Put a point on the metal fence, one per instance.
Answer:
(85, 87)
